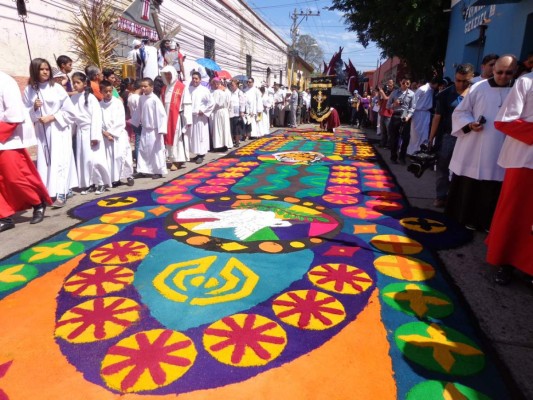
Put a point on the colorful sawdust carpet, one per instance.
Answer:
(293, 268)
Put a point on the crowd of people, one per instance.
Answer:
(481, 129)
(85, 124)
(95, 131)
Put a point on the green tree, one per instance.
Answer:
(308, 48)
(416, 31)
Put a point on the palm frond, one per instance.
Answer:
(93, 40)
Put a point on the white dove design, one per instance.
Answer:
(246, 222)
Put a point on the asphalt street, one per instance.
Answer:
(504, 314)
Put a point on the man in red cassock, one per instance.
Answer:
(20, 184)
(510, 240)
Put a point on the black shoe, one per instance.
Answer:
(199, 160)
(130, 181)
(6, 223)
(116, 184)
(504, 275)
(157, 176)
(194, 158)
(38, 213)
(140, 175)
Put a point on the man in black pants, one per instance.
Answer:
(401, 102)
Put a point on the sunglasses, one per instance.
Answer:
(508, 73)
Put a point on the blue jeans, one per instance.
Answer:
(444, 156)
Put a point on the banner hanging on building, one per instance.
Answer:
(138, 20)
(320, 97)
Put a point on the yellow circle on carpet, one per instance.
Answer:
(148, 360)
(423, 225)
(340, 278)
(97, 319)
(309, 310)
(117, 202)
(245, 340)
(396, 244)
(405, 268)
(122, 217)
(92, 232)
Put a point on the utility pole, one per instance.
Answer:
(297, 18)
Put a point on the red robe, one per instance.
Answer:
(510, 241)
(174, 110)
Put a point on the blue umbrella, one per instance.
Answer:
(208, 63)
(241, 78)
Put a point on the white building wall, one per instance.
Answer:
(237, 31)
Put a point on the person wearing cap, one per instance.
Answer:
(135, 57)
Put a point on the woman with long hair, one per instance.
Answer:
(52, 113)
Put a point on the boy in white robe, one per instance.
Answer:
(202, 107)
(93, 172)
(153, 118)
(117, 142)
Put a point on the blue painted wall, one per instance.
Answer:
(510, 30)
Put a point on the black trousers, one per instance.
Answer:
(236, 128)
(399, 135)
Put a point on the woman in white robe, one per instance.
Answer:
(91, 157)
(220, 117)
(52, 112)
(117, 142)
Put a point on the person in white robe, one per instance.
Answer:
(93, 171)
(117, 142)
(421, 117)
(254, 108)
(177, 100)
(202, 107)
(153, 118)
(52, 113)
(510, 239)
(477, 179)
(264, 123)
(21, 186)
(220, 118)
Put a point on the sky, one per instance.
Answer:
(328, 29)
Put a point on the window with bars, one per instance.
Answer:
(209, 48)
(248, 65)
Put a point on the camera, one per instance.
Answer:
(481, 120)
(421, 160)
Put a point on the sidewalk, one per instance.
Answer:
(504, 314)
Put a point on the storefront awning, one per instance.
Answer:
(490, 2)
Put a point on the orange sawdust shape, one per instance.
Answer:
(352, 365)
